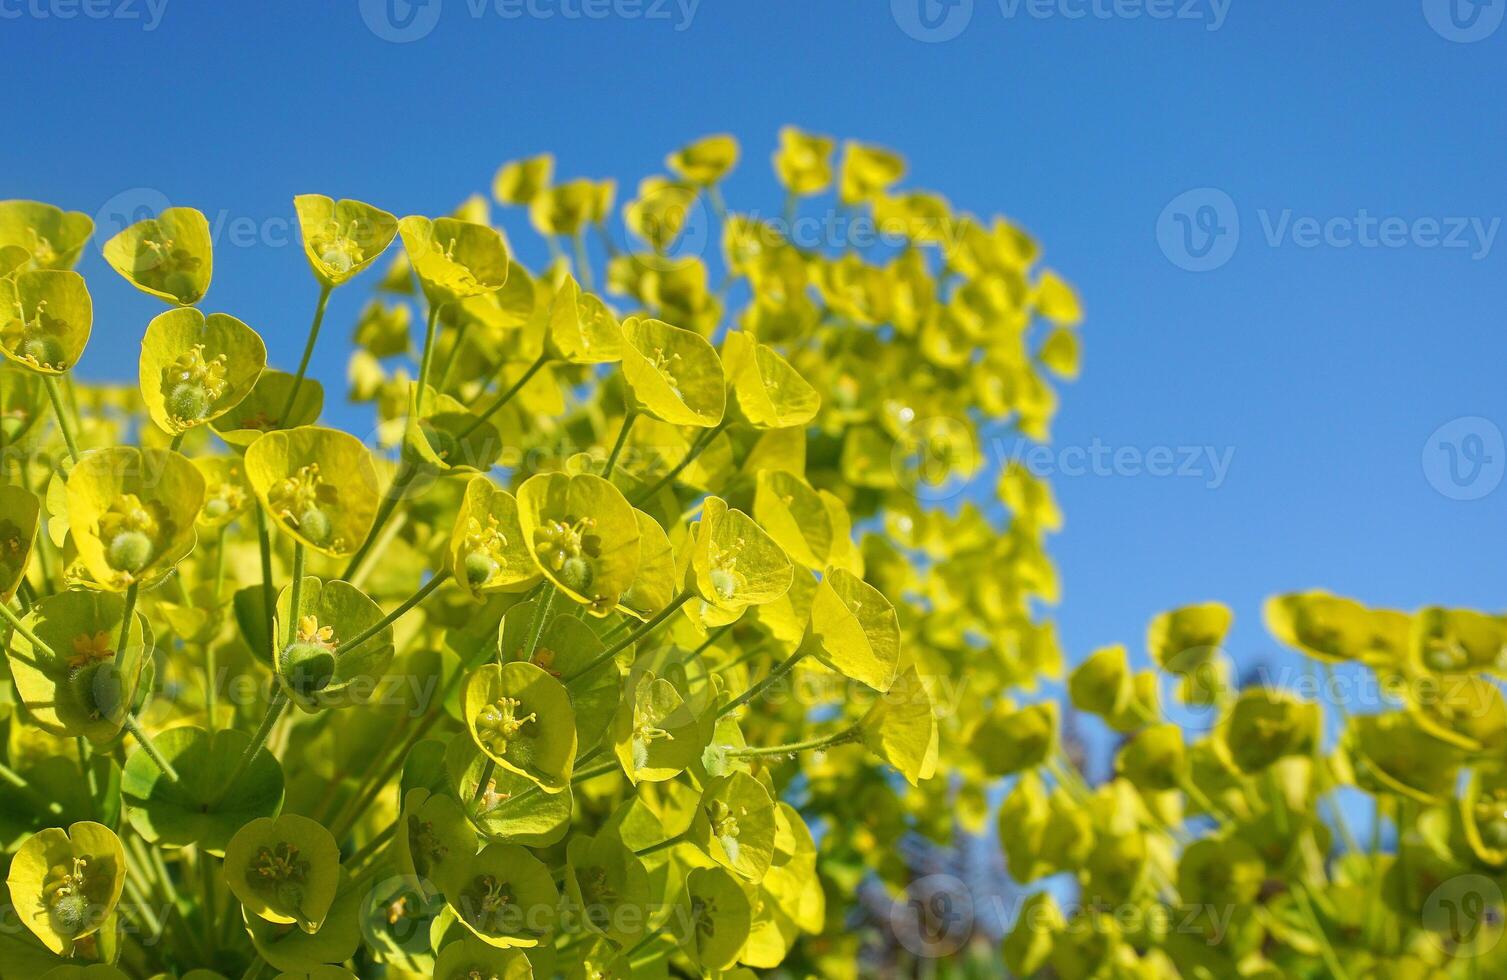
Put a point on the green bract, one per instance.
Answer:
(521, 718)
(580, 329)
(284, 869)
(169, 256)
(194, 368)
(734, 562)
(45, 319)
(503, 895)
(318, 486)
(673, 374)
(342, 238)
(454, 259)
(488, 550)
(200, 807)
(854, 629)
(714, 919)
(769, 393)
(65, 884)
(49, 237)
(583, 535)
(901, 728)
(608, 887)
(735, 825)
(18, 534)
(320, 667)
(131, 513)
(261, 411)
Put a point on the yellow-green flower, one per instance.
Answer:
(867, 171)
(520, 181)
(734, 562)
(195, 368)
(132, 513)
(261, 411)
(901, 728)
(661, 211)
(804, 161)
(489, 552)
(50, 237)
(672, 374)
(65, 884)
(227, 495)
(521, 718)
(341, 238)
(284, 869)
(45, 319)
(714, 918)
(454, 259)
(583, 536)
(170, 256)
(20, 514)
(319, 486)
(705, 161)
(768, 392)
(581, 329)
(566, 208)
(504, 895)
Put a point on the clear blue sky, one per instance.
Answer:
(1323, 369)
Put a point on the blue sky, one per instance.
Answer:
(1359, 311)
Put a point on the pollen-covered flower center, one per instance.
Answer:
(133, 532)
(483, 549)
(666, 364)
(192, 384)
(67, 899)
(37, 339)
(568, 547)
(726, 579)
(488, 903)
(307, 504)
(225, 499)
(280, 870)
(308, 663)
(502, 722)
(164, 266)
(339, 251)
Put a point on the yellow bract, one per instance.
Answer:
(673, 374)
(131, 513)
(342, 238)
(454, 259)
(45, 320)
(705, 161)
(169, 256)
(194, 369)
(317, 485)
(48, 237)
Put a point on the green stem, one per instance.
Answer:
(177, 442)
(617, 447)
(453, 356)
(1331, 960)
(259, 738)
(506, 397)
(132, 592)
(663, 845)
(697, 448)
(269, 600)
(487, 772)
(632, 638)
(56, 396)
(849, 734)
(19, 783)
(711, 638)
(435, 581)
(541, 619)
(133, 726)
(372, 846)
(426, 362)
(405, 475)
(36, 642)
(583, 262)
(780, 670)
(295, 593)
(308, 351)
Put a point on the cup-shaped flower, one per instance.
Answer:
(284, 869)
(500, 804)
(65, 884)
(867, 171)
(565, 208)
(1182, 639)
(195, 368)
(1392, 753)
(454, 259)
(1102, 684)
(444, 436)
(1154, 759)
(672, 374)
(520, 181)
(804, 161)
(714, 918)
(468, 958)
(661, 212)
(23, 402)
(854, 629)
(341, 238)
(504, 895)
(583, 535)
(607, 884)
(705, 161)
(654, 584)
(79, 683)
(489, 552)
(656, 733)
(901, 728)
(768, 392)
(170, 256)
(1224, 872)
(1483, 815)
(432, 836)
(1266, 725)
(312, 669)
(227, 495)
(581, 330)
(1010, 739)
(51, 237)
(131, 513)
(734, 562)
(565, 647)
(261, 411)
(45, 319)
(812, 526)
(20, 514)
(521, 717)
(319, 485)
(734, 825)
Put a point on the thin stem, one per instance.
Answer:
(133, 726)
(275, 711)
(632, 638)
(663, 845)
(264, 540)
(711, 638)
(308, 351)
(849, 734)
(506, 397)
(405, 475)
(15, 623)
(540, 620)
(295, 594)
(781, 669)
(487, 772)
(177, 442)
(435, 581)
(19, 783)
(696, 449)
(372, 846)
(1331, 960)
(125, 620)
(427, 361)
(583, 262)
(453, 356)
(56, 395)
(617, 447)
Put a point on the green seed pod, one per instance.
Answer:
(315, 525)
(188, 401)
(44, 350)
(480, 567)
(216, 508)
(308, 667)
(129, 551)
(69, 913)
(577, 573)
